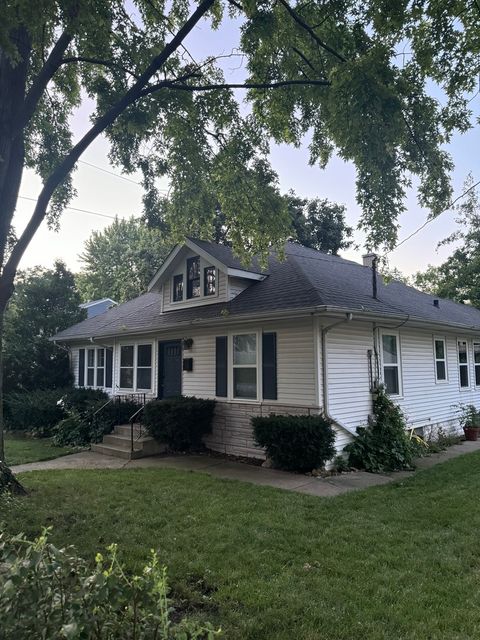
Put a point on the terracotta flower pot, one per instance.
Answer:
(471, 433)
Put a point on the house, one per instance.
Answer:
(311, 333)
(96, 307)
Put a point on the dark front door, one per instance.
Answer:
(169, 369)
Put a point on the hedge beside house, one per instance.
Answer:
(295, 443)
(180, 422)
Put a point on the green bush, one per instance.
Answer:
(51, 593)
(81, 428)
(384, 445)
(295, 443)
(83, 400)
(179, 422)
(35, 411)
(40, 411)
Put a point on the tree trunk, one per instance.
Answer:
(8, 482)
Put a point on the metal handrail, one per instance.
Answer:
(102, 407)
(132, 422)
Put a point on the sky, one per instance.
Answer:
(110, 195)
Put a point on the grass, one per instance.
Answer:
(395, 562)
(21, 449)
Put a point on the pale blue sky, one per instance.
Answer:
(103, 193)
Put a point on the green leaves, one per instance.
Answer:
(73, 601)
(120, 261)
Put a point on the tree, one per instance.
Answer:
(458, 278)
(45, 301)
(315, 223)
(328, 67)
(319, 224)
(121, 260)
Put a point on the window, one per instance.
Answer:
(245, 366)
(126, 366)
(463, 363)
(193, 277)
(178, 288)
(391, 364)
(440, 354)
(100, 367)
(209, 281)
(476, 361)
(90, 367)
(136, 367)
(144, 366)
(95, 367)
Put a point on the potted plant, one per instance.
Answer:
(469, 418)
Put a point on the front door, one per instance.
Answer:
(169, 369)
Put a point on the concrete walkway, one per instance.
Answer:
(220, 468)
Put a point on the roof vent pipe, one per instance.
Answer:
(368, 259)
(436, 303)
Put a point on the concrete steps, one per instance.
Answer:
(118, 443)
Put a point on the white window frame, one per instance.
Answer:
(231, 366)
(475, 364)
(398, 364)
(203, 265)
(135, 388)
(95, 367)
(463, 364)
(444, 360)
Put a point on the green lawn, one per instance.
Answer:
(394, 562)
(20, 449)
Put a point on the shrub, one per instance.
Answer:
(384, 445)
(179, 422)
(296, 443)
(35, 411)
(82, 425)
(51, 593)
(83, 400)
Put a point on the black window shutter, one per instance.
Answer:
(108, 367)
(81, 367)
(269, 366)
(221, 362)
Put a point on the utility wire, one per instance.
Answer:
(429, 220)
(93, 213)
(117, 175)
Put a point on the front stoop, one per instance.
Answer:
(118, 444)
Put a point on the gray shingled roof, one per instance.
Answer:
(225, 256)
(307, 279)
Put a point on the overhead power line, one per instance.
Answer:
(116, 175)
(93, 213)
(429, 220)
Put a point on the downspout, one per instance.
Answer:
(326, 411)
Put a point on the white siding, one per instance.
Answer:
(295, 361)
(424, 401)
(236, 286)
(178, 267)
(74, 364)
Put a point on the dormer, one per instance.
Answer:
(199, 273)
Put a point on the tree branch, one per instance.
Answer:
(103, 63)
(299, 20)
(305, 59)
(43, 78)
(173, 84)
(67, 164)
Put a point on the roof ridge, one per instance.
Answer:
(305, 276)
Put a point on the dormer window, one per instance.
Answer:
(194, 280)
(209, 284)
(193, 277)
(178, 287)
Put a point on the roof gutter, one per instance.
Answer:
(269, 315)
